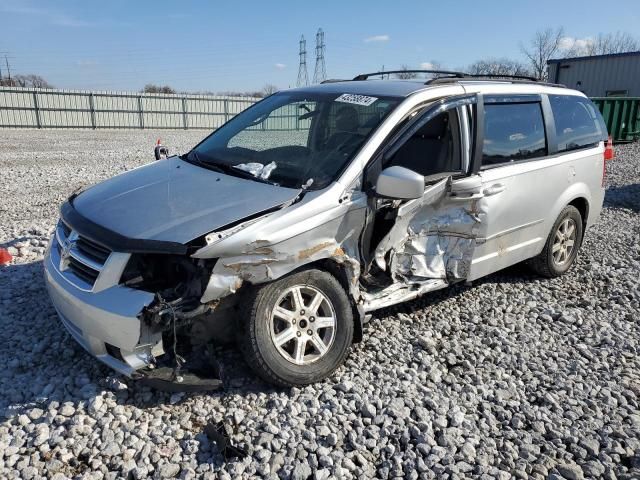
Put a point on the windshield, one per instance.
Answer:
(296, 140)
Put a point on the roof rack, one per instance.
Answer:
(494, 78)
(365, 76)
(453, 76)
(448, 76)
(499, 76)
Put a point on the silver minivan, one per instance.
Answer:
(288, 224)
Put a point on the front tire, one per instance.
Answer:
(298, 329)
(562, 245)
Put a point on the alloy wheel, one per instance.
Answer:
(303, 325)
(564, 241)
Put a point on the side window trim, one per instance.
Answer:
(421, 120)
(374, 167)
(549, 126)
(464, 133)
(503, 98)
(477, 118)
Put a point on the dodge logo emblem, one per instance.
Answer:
(65, 249)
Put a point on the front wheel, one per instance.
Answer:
(562, 245)
(298, 329)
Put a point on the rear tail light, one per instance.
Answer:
(608, 155)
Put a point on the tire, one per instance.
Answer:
(264, 329)
(546, 263)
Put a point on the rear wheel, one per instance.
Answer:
(562, 245)
(298, 329)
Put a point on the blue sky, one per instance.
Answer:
(219, 46)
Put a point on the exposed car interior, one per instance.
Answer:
(431, 149)
(434, 148)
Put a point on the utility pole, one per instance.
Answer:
(320, 72)
(303, 78)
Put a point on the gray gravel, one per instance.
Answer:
(513, 376)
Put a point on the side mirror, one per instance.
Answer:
(400, 183)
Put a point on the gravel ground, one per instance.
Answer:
(514, 376)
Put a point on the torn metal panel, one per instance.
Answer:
(220, 286)
(398, 234)
(433, 238)
(283, 246)
(399, 292)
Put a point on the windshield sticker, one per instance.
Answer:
(356, 99)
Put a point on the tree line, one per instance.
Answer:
(544, 45)
(28, 81)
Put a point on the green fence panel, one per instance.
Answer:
(622, 116)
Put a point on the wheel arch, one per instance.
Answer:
(340, 272)
(577, 195)
(582, 204)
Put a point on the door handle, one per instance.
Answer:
(494, 189)
(470, 196)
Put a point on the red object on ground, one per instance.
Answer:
(5, 257)
(158, 142)
(609, 154)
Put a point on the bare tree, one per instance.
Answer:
(151, 88)
(498, 66)
(269, 89)
(27, 81)
(603, 44)
(433, 65)
(405, 74)
(543, 46)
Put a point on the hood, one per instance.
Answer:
(175, 201)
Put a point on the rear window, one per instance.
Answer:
(578, 122)
(513, 131)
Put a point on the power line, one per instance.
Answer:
(303, 78)
(320, 73)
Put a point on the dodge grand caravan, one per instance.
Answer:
(288, 224)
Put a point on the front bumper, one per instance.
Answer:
(103, 320)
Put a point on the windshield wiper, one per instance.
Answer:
(246, 174)
(193, 157)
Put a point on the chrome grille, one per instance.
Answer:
(93, 250)
(80, 255)
(86, 273)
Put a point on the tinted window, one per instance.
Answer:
(513, 131)
(578, 122)
(432, 148)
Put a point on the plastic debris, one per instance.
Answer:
(257, 169)
(218, 433)
(5, 257)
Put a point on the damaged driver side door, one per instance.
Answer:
(421, 236)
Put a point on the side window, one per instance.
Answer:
(434, 148)
(513, 131)
(578, 122)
